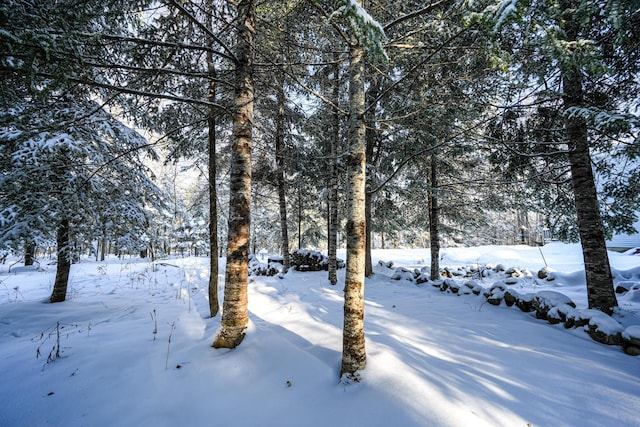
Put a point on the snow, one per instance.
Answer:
(135, 349)
(505, 10)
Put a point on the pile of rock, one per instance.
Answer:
(554, 307)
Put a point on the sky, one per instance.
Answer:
(135, 348)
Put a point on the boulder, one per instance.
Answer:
(450, 285)
(402, 273)
(525, 302)
(544, 272)
(474, 287)
(544, 301)
(604, 329)
(624, 286)
(495, 294)
(560, 313)
(510, 297)
(513, 272)
(631, 340)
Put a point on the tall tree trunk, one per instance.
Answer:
(63, 268)
(368, 263)
(600, 292)
(29, 253)
(280, 173)
(214, 305)
(235, 312)
(434, 234)
(332, 243)
(371, 101)
(299, 216)
(353, 342)
(104, 245)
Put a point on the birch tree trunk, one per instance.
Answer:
(353, 344)
(235, 314)
(63, 268)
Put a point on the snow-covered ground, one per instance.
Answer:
(135, 349)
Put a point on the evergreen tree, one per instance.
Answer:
(590, 52)
(61, 163)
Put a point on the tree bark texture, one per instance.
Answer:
(29, 254)
(280, 165)
(214, 305)
(103, 242)
(63, 268)
(235, 314)
(434, 235)
(600, 291)
(332, 243)
(371, 101)
(353, 344)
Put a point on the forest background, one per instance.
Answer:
(357, 123)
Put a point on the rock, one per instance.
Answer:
(632, 350)
(631, 340)
(632, 335)
(459, 272)
(544, 301)
(402, 273)
(560, 313)
(510, 297)
(624, 286)
(578, 318)
(544, 272)
(513, 272)
(475, 288)
(387, 264)
(451, 285)
(604, 329)
(422, 278)
(525, 302)
(495, 293)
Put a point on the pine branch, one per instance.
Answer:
(414, 14)
(230, 55)
(130, 91)
(149, 42)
